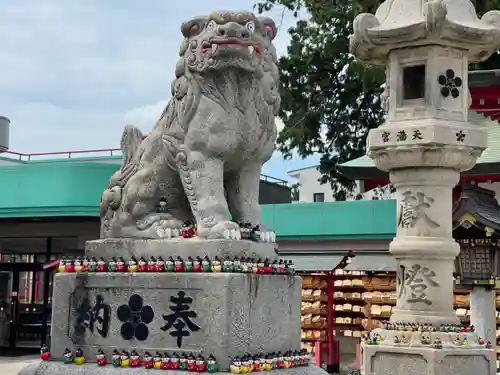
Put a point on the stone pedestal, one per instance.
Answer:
(483, 314)
(424, 247)
(55, 368)
(129, 247)
(417, 359)
(224, 314)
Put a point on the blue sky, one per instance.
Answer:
(74, 72)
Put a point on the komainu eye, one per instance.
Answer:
(250, 26)
(211, 26)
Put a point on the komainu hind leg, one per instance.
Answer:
(202, 179)
(138, 213)
(243, 199)
(167, 218)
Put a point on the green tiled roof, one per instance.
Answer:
(490, 155)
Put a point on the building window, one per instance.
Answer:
(319, 197)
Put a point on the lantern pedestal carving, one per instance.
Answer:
(423, 246)
(418, 359)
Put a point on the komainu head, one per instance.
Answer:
(226, 40)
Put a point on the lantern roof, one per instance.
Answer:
(410, 23)
(477, 207)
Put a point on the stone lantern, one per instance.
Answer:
(426, 141)
(477, 265)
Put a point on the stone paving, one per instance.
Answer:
(13, 365)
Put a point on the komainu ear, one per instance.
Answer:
(268, 27)
(193, 27)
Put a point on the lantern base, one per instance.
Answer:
(404, 359)
(59, 368)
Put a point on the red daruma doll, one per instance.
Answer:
(200, 364)
(174, 361)
(135, 359)
(101, 358)
(121, 265)
(70, 266)
(147, 360)
(101, 265)
(165, 362)
(179, 265)
(142, 265)
(152, 264)
(45, 353)
(191, 363)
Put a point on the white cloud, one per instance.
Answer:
(145, 117)
(73, 73)
(279, 124)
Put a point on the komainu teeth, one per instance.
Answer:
(251, 49)
(214, 48)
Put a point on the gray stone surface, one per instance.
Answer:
(205, 154)
(236, 313)
(127, 247)
(392, 360)
(56, 368)
(483, 313)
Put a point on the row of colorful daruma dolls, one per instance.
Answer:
(166, 361)
(246, 364)
(268, 362)
(238, 265)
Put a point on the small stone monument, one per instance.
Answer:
(185, 277)
(426, 141)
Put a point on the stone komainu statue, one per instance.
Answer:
(203, 158)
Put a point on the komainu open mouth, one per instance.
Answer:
(214, 45)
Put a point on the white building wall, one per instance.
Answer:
(308, 178)
(309, 184)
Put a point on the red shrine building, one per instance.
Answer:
(484, 88)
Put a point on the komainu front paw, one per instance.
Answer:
(257, 233)
(268, 236)
(228, 230)
(160, 225)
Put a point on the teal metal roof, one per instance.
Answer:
(72, 187)
(334, 220)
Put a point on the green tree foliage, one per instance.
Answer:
(329, 100)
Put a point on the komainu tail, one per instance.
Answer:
(131, 140)
(129, 144)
